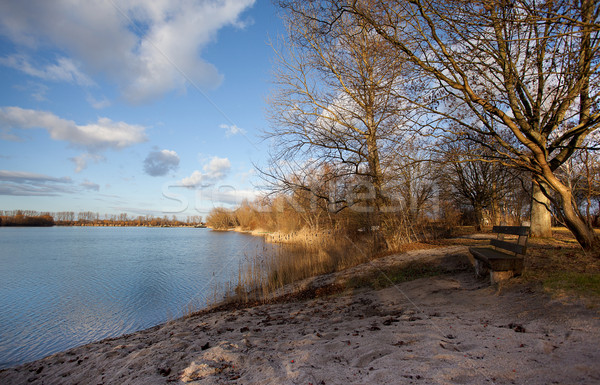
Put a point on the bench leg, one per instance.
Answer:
(480, 269)
(498, 276)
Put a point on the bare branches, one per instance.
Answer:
(521, 74)
(336, 106)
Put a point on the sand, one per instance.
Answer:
(448, 329)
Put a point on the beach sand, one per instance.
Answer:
(448, 329)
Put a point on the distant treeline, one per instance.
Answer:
(88, 218)
(20, 219)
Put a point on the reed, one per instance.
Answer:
(297, 256)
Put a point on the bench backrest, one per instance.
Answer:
(519, 247)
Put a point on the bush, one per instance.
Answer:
(221, 218)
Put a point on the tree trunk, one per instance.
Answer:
(478, 211)
(585, 234)
(541, 218)
(495, 211)
(375, 173)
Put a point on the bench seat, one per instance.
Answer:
(503, 258)
(497, 260)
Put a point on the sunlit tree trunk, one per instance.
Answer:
(541, 218)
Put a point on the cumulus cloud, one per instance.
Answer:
(100, 135)
(216, 169)
(231, 130)
(159, 163)
(146, 47)
(22, 183)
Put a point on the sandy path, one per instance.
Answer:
(451, 329)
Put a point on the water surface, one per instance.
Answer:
(62, 287)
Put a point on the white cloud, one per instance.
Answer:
(23, 183)
(101, 135)
(193, 180)
(33, 189)
(40, 93)
(63, 70)
(143, 46)
(38, 90)
(231, 130)
(159, 163)
(6, 134)
(216, 169)
(82, 160)
(229, 195)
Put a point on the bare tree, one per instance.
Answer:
(334, 108)
(481, 184)
(412, 178)
(526, 71)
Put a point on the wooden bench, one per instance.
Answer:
(503, 258)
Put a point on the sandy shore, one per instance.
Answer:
(449, 329)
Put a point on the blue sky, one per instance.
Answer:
(144, 107)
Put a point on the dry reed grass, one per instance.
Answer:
(308, 253)
(295, 257)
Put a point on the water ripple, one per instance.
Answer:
(63, 287)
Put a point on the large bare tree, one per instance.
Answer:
(526, 71)
(334, 108)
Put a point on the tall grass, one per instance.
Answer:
(312, 241)
(297, 256)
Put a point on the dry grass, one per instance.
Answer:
(557, 264)
(561, 267)
(296, 257)
(304, 254)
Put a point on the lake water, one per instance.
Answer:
(61, 287)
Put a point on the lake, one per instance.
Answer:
(61, 287)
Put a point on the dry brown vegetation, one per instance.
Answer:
(308, 244)
(26, 218)
(560, 266)
(557, 265)
(314, 240)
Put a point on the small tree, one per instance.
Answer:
(481, 184)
